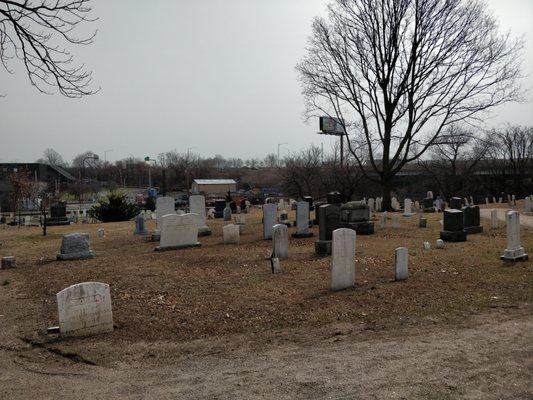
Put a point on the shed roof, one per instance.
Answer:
(215, 181)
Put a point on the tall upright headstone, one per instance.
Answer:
(343, 259)
(269, 219)
(401, 271)
(329, 220)
(408, 208)
(197, 206)
(178, 232)
(514, 250)
(85, 309)
(302, 220)
(140, 228)
(280, 242)
(494, 218)
(163, 206)
(472, 222)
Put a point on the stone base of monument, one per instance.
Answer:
(141, 233)
(302, 235)
(408, 215)
(57, 221)
(470, 230)
(362, 228)
(323, 247)
(181, 247)
(514, 255)
(156, 236)
(75, 256)
(450, 236)
(204, 231)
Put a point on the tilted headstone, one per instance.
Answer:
(453, 228)
(280, 242)
(75, 246)
(356, 215)
(471, 217)
(140, 228)
(85, 309)
(269, 219)
(197, 206)
(230, 234)
(514, 250)
(302, 220)
(401, 270)
(178, 232)
(329, 220)
(343, 259)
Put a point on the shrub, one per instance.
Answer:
(149, 204)
(115, 208)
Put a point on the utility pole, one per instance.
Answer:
(148, 160)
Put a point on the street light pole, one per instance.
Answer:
(148, 160)
(279, 145)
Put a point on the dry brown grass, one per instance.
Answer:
(219, 289)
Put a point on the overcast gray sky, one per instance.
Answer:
(213, 75)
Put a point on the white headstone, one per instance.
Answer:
(343, 259)
(395, 221)
(230, 234)
(401, 271)
(302, 218)
(178, 231)
(494, 218)
(429, 194)
(383, 221)
(197, 206)
(371, 205)
(85, 309)
(440, 244)
(408, 211)
(163, 206)
(280, 242)
(275, 264)
(269, 219)
(514, 250)
(426, 246)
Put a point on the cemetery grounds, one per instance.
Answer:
(214, 322)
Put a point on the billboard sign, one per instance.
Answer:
(331, 126)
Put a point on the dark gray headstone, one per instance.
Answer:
(453, 230)
(456, 203)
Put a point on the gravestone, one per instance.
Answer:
(494, 218)
(315, 221)
(269, 219)
(8, 262)
(440, 244)
(429, 195)
(85, 309)
(280, 242)
(401, 270)
(343, 259)
(428, 205)
(408, 208)
(334, 198)
(178, 232)
(472, 220)
(284, 218)
(231, 234)
(101, 232)
(302, 220)
(275, 265)
(395, 221)
(383, 220)
(527, 205)
(240, 221)
(453, 228)
(514, 250)
(422, 222)
(356, 215)
(456, 203)
(75, 246)
(58, 215)
(140, 228)
(227, 213)
(329, 220)
(426, 246)
(371, 205)
(220, 205)
(197, 206)
(163, 206)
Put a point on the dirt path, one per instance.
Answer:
(489, 357)
(525, 220)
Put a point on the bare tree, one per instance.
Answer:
(454, 157)
(52, 157)
(396, 72)
(32, 31)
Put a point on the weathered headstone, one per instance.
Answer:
(395, 221)
(343, 259)
(280, 242)
(275, 265)
(163, 206)
(178, 232)
(440, 244)
(329, 220)
(231, 234)
(514, 250)
(197, 206)
(527, 205)
(85, 309)
(227, 213)
(75, 246)
(269, 219)
(356, 215)
(494, 218)
(408, 208)
(401, 270)
(426, 246)
(383, 220)
(140, 228)
(101, 232)
(302, 220)
(453, 229)
(371, 205)
(429, 195)
(240, 221)
(472, 220)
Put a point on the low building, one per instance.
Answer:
(214, 187)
